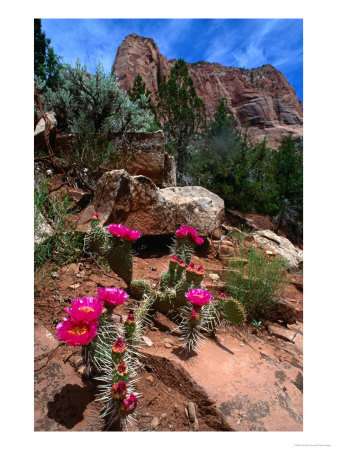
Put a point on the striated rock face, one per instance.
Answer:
(135, 201)
(261, 98)
(144, 154)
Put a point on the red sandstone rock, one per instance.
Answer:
(260, 97)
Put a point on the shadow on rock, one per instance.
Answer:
(68, 406)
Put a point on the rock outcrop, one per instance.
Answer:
(261, 97)
(144, 154)
(135, 201)
(280, 246)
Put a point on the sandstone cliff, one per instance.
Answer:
(261, 97)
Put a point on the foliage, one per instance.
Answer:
(251, 178)
(181, 113)
(288, 173)
(47, 65)
(64, 245)
(258, 284)
(136, 93)
(90, 107)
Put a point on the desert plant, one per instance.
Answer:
(110, 348)
(114, 244)
(257, 284)
(63, 245)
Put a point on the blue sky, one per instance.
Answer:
(244, 43)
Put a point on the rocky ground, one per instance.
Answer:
(244, 379)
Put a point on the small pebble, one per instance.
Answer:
(147, 341)
(168, 345)
(154, 423)
(150, 378)
(75, 286)
(163, 416)
(241, 345)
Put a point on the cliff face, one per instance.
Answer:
(261, 98)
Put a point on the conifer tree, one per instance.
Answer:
(47, 64)
(181, 113)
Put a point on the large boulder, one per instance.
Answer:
(279, 246)
(143, 153)
(135, 201)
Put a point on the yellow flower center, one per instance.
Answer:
(78, 330)
(86, 309)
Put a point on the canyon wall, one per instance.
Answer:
(261, 98)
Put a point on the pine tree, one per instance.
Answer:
(180, 112)
(138, 91)
(46, 64)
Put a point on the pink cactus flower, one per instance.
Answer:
(223, 295)
(118, 348)
(174, 258)
(200, 271)
(132, 235)
(181, 263)
(95, 215)
(186, 231)
(198, 297)
(119, 390)
(85, 309)
(129, 404)
(197, 240)
(112, 296)
(75, 334)
(123, 232)
(118, 230)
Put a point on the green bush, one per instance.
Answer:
(64, 245)
(257, 284)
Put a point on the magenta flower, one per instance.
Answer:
(132, 235)
(85, 309)
(118, 230)
(112, 296)
(198, 297)
(123, 232)
(197, 240)
(119, 390)
(76, 333)
(129, 404)
(186, 231)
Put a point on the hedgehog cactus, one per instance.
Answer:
(232, 311)
(138, 288)
(114, 244)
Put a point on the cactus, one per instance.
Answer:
(138, 288)
(232, 311)
(119, 258)
(168, 279)
(181, 289)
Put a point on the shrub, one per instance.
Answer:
(64, 245)
(257, 284)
